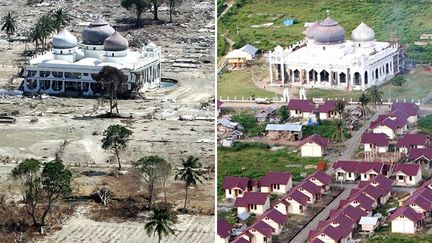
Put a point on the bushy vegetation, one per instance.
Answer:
(325, 129)
(398, 80)
(255, 160)
(249, 123)
(404, 19)
(425, 124)
(222, 45)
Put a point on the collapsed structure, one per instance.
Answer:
(71, 67)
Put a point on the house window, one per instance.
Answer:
(400, 177)
(240, 192)
(410, 178)
(229, 192)
(340, 174)
(94, 48)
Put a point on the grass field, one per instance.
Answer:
(383, 235)
(406, 19)
(255, 162)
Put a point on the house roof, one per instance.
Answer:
(309, 186)
(407, 212)
(353, 212)
(409, 108)
(316, 240)
(361, 166)
(240, 240)
(420, 201)
(317, 139)
(281, 178)
(380, 181)
(284, 127)
(379, 139)
(400, 114)
(374, 192)
(302, 105)
(335, 233)
(263, 228)
(236, 53)
(329, 105)
(276, 216)
(223, 228)
(219, 104)
(249, 49)
(340, 219)
(424, 192)
(258, 198)
(231, 182)
(416, 153)
(321, 176)
(407, 169)
(297, 196)
(364, 167)
(390, 121)
(363, 200)
(368, 221)
(348, 166)
(227, 122)
(412, 139)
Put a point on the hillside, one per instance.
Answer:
(389, 18)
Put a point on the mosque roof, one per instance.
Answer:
(363, 33)
(329, 32)
(116, 42)
(96, 32)
(64, 40)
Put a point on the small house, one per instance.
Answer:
(407, 174)
(301, 108)
(236, 186)
(330, 234)
(321, 179)
(253, 202)
(276, 182)
(368, 224)
(346, 170)
(313, 146)
(311, 190)
(226, 125)
(223, 231)
(411, 109)
(297, 202)
(405, 220)
(288, 131)
(250, 50)
(409, 141)
(327, 110)
(375, 143)
(421, 156)
(390, 124)
(237, 59)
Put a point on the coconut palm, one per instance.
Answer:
(375, 95)
(60, 19)
(190, 174)
(364, 101)
(160, 222)
(340, 108)
(35, 35)
(46, 25)
(9, 25)
(339, 131)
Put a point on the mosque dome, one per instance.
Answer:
(329, 32)
(64, 40)
(363, 33)
(116, 42)
(97, 32)
(310, 30)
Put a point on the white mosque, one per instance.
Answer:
(70, 67)
(324, 59)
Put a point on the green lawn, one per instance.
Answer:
(256, 160)
(387, 237)
(407, 19)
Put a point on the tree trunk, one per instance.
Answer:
(118, 159)
(138, 19)
(171, 11)
(155, 10)
(115, 96)
(164, 190)
(186, 196)
(46, 211)
(151, 188)
(9, 40)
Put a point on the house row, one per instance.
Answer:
(305, 108)
(417, 207)
(405, 174)
(396, 121)
(273, 219)
(378, 143)
(354, 213)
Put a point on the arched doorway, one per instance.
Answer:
(324, 75)
(387, 68)
(342, 78)
(296, 75)
(376, 73)
(357, 78)
(366, 77)
(313, 75)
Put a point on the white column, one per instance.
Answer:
(271, 68)
(282, 68)
(307, 76)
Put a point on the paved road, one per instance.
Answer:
(313, 224)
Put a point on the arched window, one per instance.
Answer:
(112, 54)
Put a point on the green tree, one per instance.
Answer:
(283, 114)
(190, 174)
(138, 6)
(114, 84)
(364, 102)
(340, 108)
(165, 169)
(160, 222)
(9, 24)
(249, 123)
(116, 138)
(398, 80)
(35, 35)
(339, 131)
(45, 27)
(375, 95)
(46, 187)
(60, 19)
(150, 169)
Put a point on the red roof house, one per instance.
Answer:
(405, 220)
(236, 186)
(300, 108)
(375, 142)
(253, 202)
(390, 124)
(409, 141)
(422, 156)
(276, 182)
(407, 174)
(223, 229)
(409, 108)
(313, 146)
(327, 110)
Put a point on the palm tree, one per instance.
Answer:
(375, 95)
(364, 101)
(35, 35)
(340, 108)
(283, 114)
(190, 174)
(160, 222)
(60, 19)
(339, 131)
(46, 25)
(9, 26)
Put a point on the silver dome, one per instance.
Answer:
(64, 40)
(116, 42)
(97, 32)
(310, 30)
(329, 32)
(363, 33)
